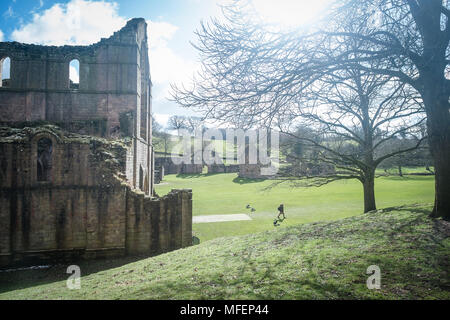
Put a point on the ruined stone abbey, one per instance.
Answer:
(76, 159)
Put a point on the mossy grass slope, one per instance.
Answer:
(322, 260)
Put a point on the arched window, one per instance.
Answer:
(44, 159)
(5, 72)
(74, 74)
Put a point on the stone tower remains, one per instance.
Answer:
(76, 159)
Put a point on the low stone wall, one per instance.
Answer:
(172, 168)
(68, 223)
(156, 225)
(85, 208)
(250, 171)
(222, 168)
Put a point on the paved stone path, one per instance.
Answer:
(220, 218)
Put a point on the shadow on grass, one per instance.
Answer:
(195, 175)
(22, 279)
(410, 177)
(441, 228)
(409, 207)
(240, 180)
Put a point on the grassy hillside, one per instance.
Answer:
(228, 194)
(322, 260)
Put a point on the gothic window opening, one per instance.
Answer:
(44, 159)
(5, 72)
(74, 74)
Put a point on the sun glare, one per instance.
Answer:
(290, 13)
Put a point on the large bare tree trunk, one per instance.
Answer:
(369, 192)
(435, 91)
(439, 139)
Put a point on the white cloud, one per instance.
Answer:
(166, 65)
(83, 22)
(162, 119)
(8, 13)
(159, 33)
(77, 22)
(1, 35)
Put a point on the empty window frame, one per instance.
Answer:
(5, 71)
(74, 74)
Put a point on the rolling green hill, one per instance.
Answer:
(321, 260)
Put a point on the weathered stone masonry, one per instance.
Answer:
(76, 165)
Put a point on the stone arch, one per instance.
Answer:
(44, 159)
(43, 155)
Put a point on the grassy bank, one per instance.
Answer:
(322, 260)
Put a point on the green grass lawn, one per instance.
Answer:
(321, 260)
(228, 194)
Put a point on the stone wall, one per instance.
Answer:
(156, 225)
(165, 166)
(250, 171)
(112, 99)
(222, 168)
(85, 208)
(76, 161)
(182, 168)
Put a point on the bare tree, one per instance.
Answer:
(166, 142)
(355, 115)
(418, 157)
(177, 123)
(253, 73)
(194, 123)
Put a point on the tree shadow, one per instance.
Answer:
(22, 278)
(441, 228)
(195, 175)
(240, 180)
(397, 178)
(408, 207)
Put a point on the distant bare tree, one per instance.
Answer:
(194, 123)
(177, 123)
(165, 140)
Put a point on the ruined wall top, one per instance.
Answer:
(134, 33)
(113, 81)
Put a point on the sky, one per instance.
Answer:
(171, 26)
